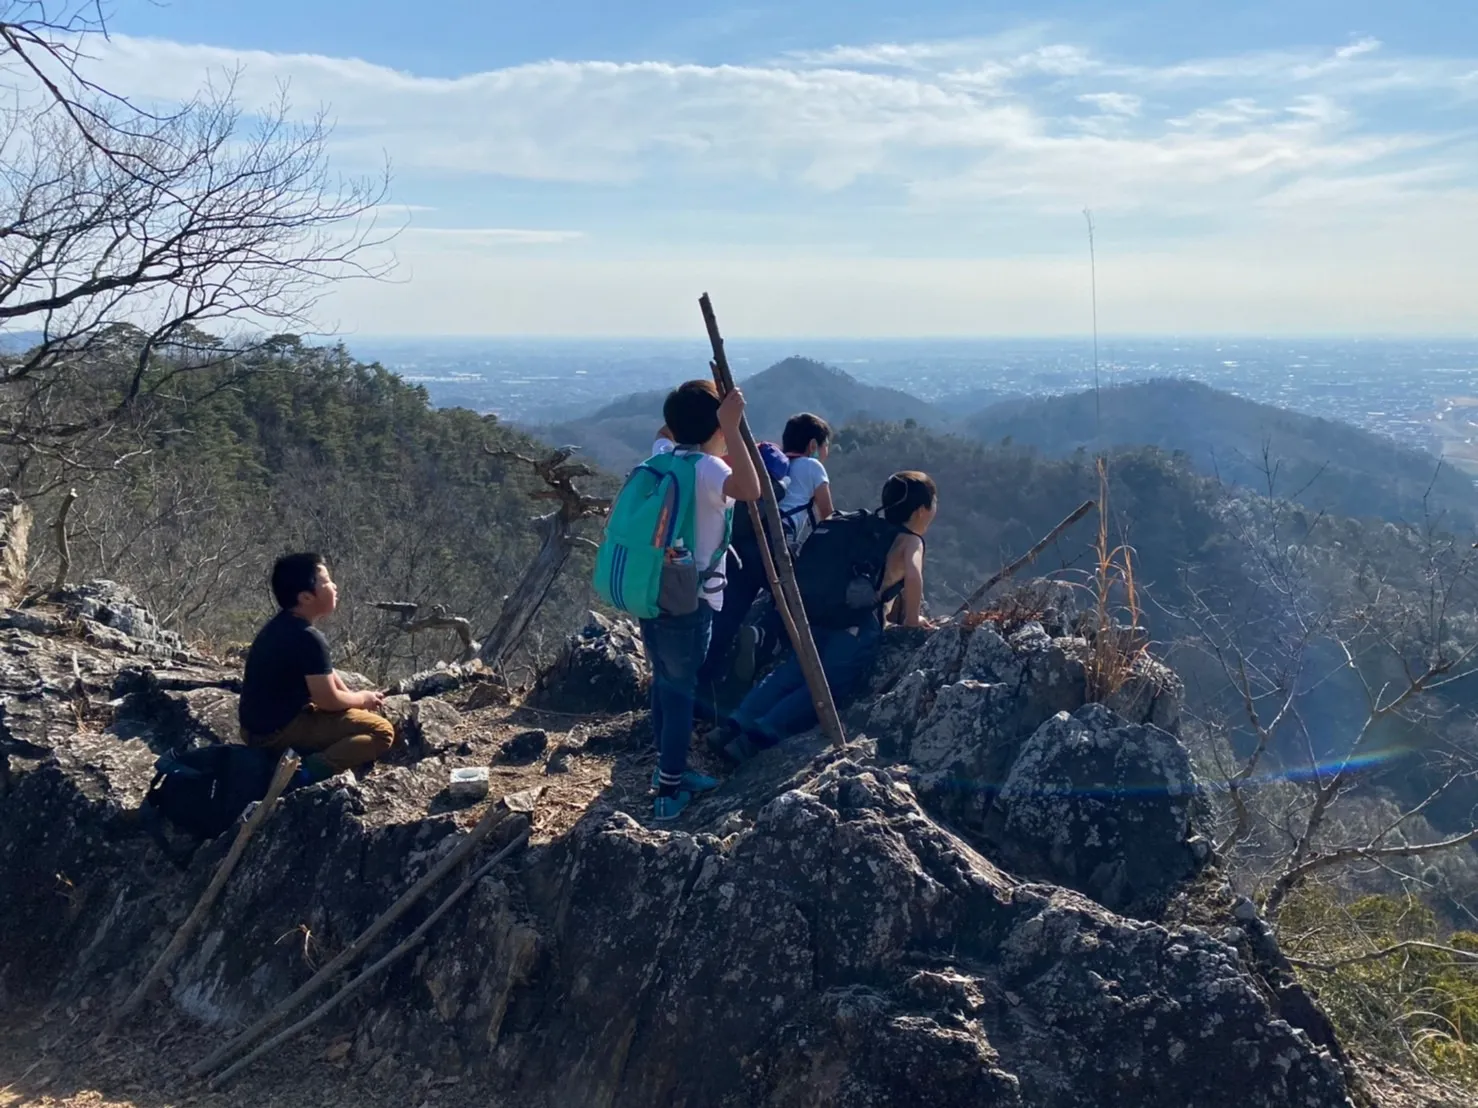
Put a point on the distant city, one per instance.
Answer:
(1421, 392)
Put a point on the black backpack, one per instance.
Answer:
(204, 791)
(840, 568)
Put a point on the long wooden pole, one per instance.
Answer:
(286, 767)
(408, 944)
(788, 596)
(1026, 559)
(495, 815)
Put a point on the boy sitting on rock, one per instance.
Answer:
(291, 697)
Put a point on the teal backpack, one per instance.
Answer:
(654, 510)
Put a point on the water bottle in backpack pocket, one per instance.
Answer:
(678, 593)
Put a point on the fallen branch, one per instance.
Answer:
(1026, 559)
(787, 595)
(287, 765)
(437, 620)
(411, 941)
(496, 813)
(1385, 952)
(63, 549)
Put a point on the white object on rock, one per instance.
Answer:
(469, 783)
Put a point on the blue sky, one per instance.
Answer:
(869, 168)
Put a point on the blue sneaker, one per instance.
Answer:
(693, 782)
(666, 808)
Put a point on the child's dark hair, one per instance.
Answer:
(905, 493)
(293, 574)
(691, 412)
(802, 430)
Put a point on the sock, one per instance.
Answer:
(668, 783)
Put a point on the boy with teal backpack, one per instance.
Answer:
(662, 561)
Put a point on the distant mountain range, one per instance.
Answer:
(1321, 463)
(620, 434)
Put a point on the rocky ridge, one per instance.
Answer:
(995, 894)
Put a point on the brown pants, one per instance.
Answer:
(343, 739)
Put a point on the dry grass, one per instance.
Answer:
(1118, 641)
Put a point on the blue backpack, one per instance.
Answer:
(654, 513)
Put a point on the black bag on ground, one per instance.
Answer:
(840, 568)
(204, 791)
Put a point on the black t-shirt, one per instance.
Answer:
(285, 652)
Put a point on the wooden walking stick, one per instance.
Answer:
(496, 814)
(287, 765)
(778, 565)
(1026, 559)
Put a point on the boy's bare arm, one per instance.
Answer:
(744, 482)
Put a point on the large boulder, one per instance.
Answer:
(836, 947)
(1104, 807)
(812, 935)
(601, 669)
(961, 709)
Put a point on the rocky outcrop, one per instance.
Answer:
(601, 669)
(818, 932)
(1104, 807)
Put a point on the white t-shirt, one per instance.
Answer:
(711, 473)
(806, 476)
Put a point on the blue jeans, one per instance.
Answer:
(780, 705)
(676, 646)
(746, 581)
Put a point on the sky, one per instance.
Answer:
(860, 168)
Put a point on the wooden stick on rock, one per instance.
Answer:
(287, 765)
(496, 813)
(1026, 559)
(410, 942)
(788, 594)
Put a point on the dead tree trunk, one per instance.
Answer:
(559, 539)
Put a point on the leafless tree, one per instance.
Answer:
(127, 230)
(1323, 664)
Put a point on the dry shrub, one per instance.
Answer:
(1118, 640)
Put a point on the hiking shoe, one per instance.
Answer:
(741, 749)
(746, 651)
(666, 808)
(693, 782)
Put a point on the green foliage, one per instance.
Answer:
(995, 502)
(1414, 1003)
(302, 447)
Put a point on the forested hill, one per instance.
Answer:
(620, 434)
(304, 447)
(1324, 464)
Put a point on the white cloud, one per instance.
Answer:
(1257, 146)
(1113, 103)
